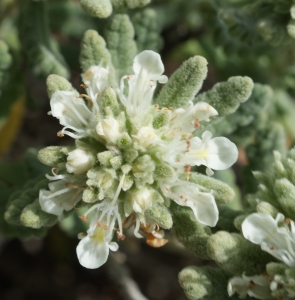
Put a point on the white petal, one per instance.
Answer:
(222, 153)
(92, 253)
(48, 205)
(113, 246)
(79, 161)
(203, 111)
(204, 208)
(150, 62)
(70, 110)
(209, 172)
(206, 136)
(137, 208)
(239, 285)
(259, 227)
(163, 79)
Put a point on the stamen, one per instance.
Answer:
(84, 86)
(118, 190)
(197, 124)
(120, 236)
(188, 143)
(59, 134)
(137, 225)
(176, 115)
(54, 171)
(70, 185)
(56, 177)
(187, 169)
(186, 136)
(87, 98)
(73, 205)
(84, 218)
(59, 193)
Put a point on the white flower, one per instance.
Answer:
(72, 113)
(203, 205)
(141, 199)
(79, 161)
(146, 136)
(93, 250)
(62, 195)
(108, 129)
(218, 153)
(187, 119)
(148, 69)
(255, 286)
(96, 80)
(277, 240)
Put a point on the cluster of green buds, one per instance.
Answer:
(272, 227)
(132, 157)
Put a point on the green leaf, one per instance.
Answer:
(94, 51)
(227, 96)
(119, 35)
(147, 30)
(184, 83)
(41, 50)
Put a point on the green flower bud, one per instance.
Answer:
(58, 83)
(121, 4)
(164, 171)
(124, 141)
(142, 165)
(97, 8)
(116, 162)
(109, 99)
(266, 208)
(162, 118)
(228, 248)
(33, 216)
(203, 283)
(90, 195)
(105, 157)
(130, 155)
(54, 156)
(159, 214)
(285, 192)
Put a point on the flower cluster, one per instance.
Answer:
(128, 159)
(277, 237)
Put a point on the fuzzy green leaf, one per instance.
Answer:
(184, 83)
(119, 35)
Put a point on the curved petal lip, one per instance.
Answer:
(150, 61)
(92, 254)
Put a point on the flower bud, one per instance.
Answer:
(108, 129)
(79, 161)
(146, 136)
(141, 199)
